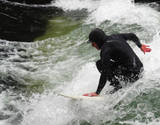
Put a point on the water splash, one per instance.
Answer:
(66, 63)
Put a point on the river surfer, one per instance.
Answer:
(118, 62)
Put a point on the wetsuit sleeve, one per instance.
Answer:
(132, 37)
(105, 59)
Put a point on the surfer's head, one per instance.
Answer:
(97, 38)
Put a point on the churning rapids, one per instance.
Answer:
(31, 74)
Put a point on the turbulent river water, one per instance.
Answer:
(33, 73)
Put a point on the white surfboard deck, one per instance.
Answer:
(82, 97)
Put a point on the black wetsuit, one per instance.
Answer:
(118, 61)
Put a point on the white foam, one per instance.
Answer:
(125, 12)
(76, 4)
(60, 110)
(151, 63)
(85, 81)
(48, 110)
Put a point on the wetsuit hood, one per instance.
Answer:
(98, 36)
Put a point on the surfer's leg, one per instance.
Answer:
(132, 75)
(116, 84)
(114, 77)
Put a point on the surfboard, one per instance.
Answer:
(82, 97)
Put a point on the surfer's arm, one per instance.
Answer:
(135, 39)
(102, 83)
(132, 37)
(105, 58)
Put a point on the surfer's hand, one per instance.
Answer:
(91, 94)
(145, 48)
